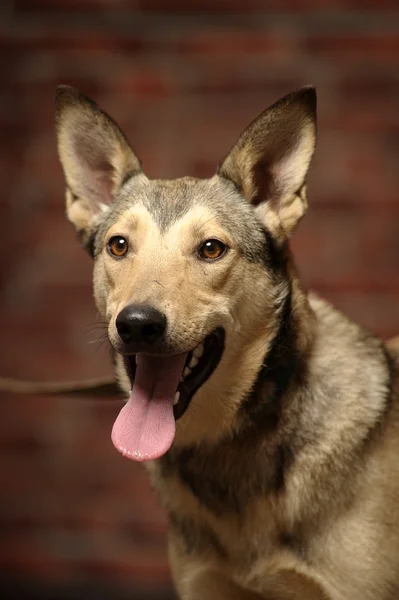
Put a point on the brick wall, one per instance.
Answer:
(182, 82)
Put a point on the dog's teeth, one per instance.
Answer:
(186, 372)
(176, 398)
(193, 362)
(198, 351)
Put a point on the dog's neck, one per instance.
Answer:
(285, 361)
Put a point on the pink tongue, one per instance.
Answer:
(145, 427)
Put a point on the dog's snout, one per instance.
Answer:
(140, 324)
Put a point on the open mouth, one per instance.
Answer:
(199, 366)
(162, 388)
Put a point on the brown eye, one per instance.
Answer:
(212, 249)
(118, 246)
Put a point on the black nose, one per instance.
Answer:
(140, 324)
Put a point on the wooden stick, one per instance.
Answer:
(100, 387)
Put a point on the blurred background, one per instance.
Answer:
(182, 78)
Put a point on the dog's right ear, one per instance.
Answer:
(95, 155)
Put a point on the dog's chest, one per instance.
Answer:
(230, 519)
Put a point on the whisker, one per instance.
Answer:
(199, 227)
(159, 283)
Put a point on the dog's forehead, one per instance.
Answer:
(168, 201)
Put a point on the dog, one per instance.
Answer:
(267, 420)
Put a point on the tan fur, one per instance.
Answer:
(283, 479)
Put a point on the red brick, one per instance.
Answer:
(84, 41)
(19, 556)
(363, 48)
(359, 116)
(183, 89)
(206, 6)
(336, 245)
(72, 5)
(369, 87)
(225, 42)
(243, 6)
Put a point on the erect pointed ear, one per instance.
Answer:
(270, 160)
(95, 156)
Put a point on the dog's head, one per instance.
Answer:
(190, 274)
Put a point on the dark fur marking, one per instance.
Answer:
(279, 366)
(392, 374)
(90, 242)
(127, 178)
(164, 212)
(209, 479)
(294, 543)
(222, 477)
(283, 460)
(263, 406)
(197, 539)
(392, 371)
(218, 476)
(74, 196)
(300, 192)
(87, 239)
(274, 257)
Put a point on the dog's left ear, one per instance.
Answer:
(95, 155)
(270, 160)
